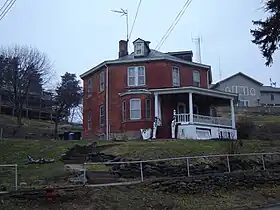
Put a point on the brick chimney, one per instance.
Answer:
(123, 48)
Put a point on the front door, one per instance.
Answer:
(182, 109)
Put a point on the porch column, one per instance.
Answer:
(156, 105)
(191, 108)
(232, 114)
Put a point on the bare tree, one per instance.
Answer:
(22, 69)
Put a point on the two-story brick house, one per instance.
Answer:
(125, 95)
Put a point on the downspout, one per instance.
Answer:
(107, 102)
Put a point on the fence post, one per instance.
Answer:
(141, 171)
(16, 176)
(228, 164)
(188, 167)
(84, 171)
(1, 133)
(263, 162)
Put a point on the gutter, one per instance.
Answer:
(107, 102)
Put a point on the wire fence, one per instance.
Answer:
(8, 177)
(186, 166)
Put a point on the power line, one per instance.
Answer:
(135, 19)
(175, 22)
(4, 5)
(7, 9)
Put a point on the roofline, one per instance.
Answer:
(197, 90)
(218, 83)
(180, 52)
(109, 62)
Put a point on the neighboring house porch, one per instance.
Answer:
(192, 111)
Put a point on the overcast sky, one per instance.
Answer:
(79, 34)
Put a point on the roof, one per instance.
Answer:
(239, 73)
(154, 55)
(269, 89)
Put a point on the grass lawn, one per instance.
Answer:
(16, 151)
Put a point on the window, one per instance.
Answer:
(272, 97)
(101, 115)
(176, 76)
(252, 91)
(139, 49)
(196, 78)
(101, 81)
(243, 103)
(135, 109)
(89, 122)
(148, 109)
(123, 111)
(242, 90)
(227, 89)
(136, 76)
(89, 87)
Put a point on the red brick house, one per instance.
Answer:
(125, 95)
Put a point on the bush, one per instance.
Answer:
(245, 127)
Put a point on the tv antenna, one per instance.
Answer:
(123, 13)
(272, 84)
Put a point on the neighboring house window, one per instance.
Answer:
(148, 109)
(135, 109)
(176, 76)
(101, 115)
(243, 103)
(252, 91)
(272, 97)
(89, 121)
(196, 78)
(89, 87)
(123, 111)
(242, 90)
(136, 76)
(227, 89)
(101, 81)
(139, 49)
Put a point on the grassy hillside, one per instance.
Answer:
(134, 197)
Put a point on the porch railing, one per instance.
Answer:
(207, 120)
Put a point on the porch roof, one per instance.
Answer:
(196, 90)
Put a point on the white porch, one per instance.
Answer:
(186, 116)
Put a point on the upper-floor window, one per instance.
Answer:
(136, 76)
(175, 76)
(101, 115)
(101, 81)
(196, 78)
(135, 109)
(89, 87)
(242, 90)
(89, 121)
(139, 49)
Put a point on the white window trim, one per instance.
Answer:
(142, 49)
(136, 76)
(101, 81)
(174, 69)
(130, 110)
(194, 72)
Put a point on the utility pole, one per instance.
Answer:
(198, 48)
(220, 70)
(123, 12)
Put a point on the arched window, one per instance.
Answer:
(252, 92)
(196, 78)
(227, 89)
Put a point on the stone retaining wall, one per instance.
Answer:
(200, 184)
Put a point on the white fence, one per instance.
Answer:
(187, 159)
(15, 173)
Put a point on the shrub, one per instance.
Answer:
(244, 127)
